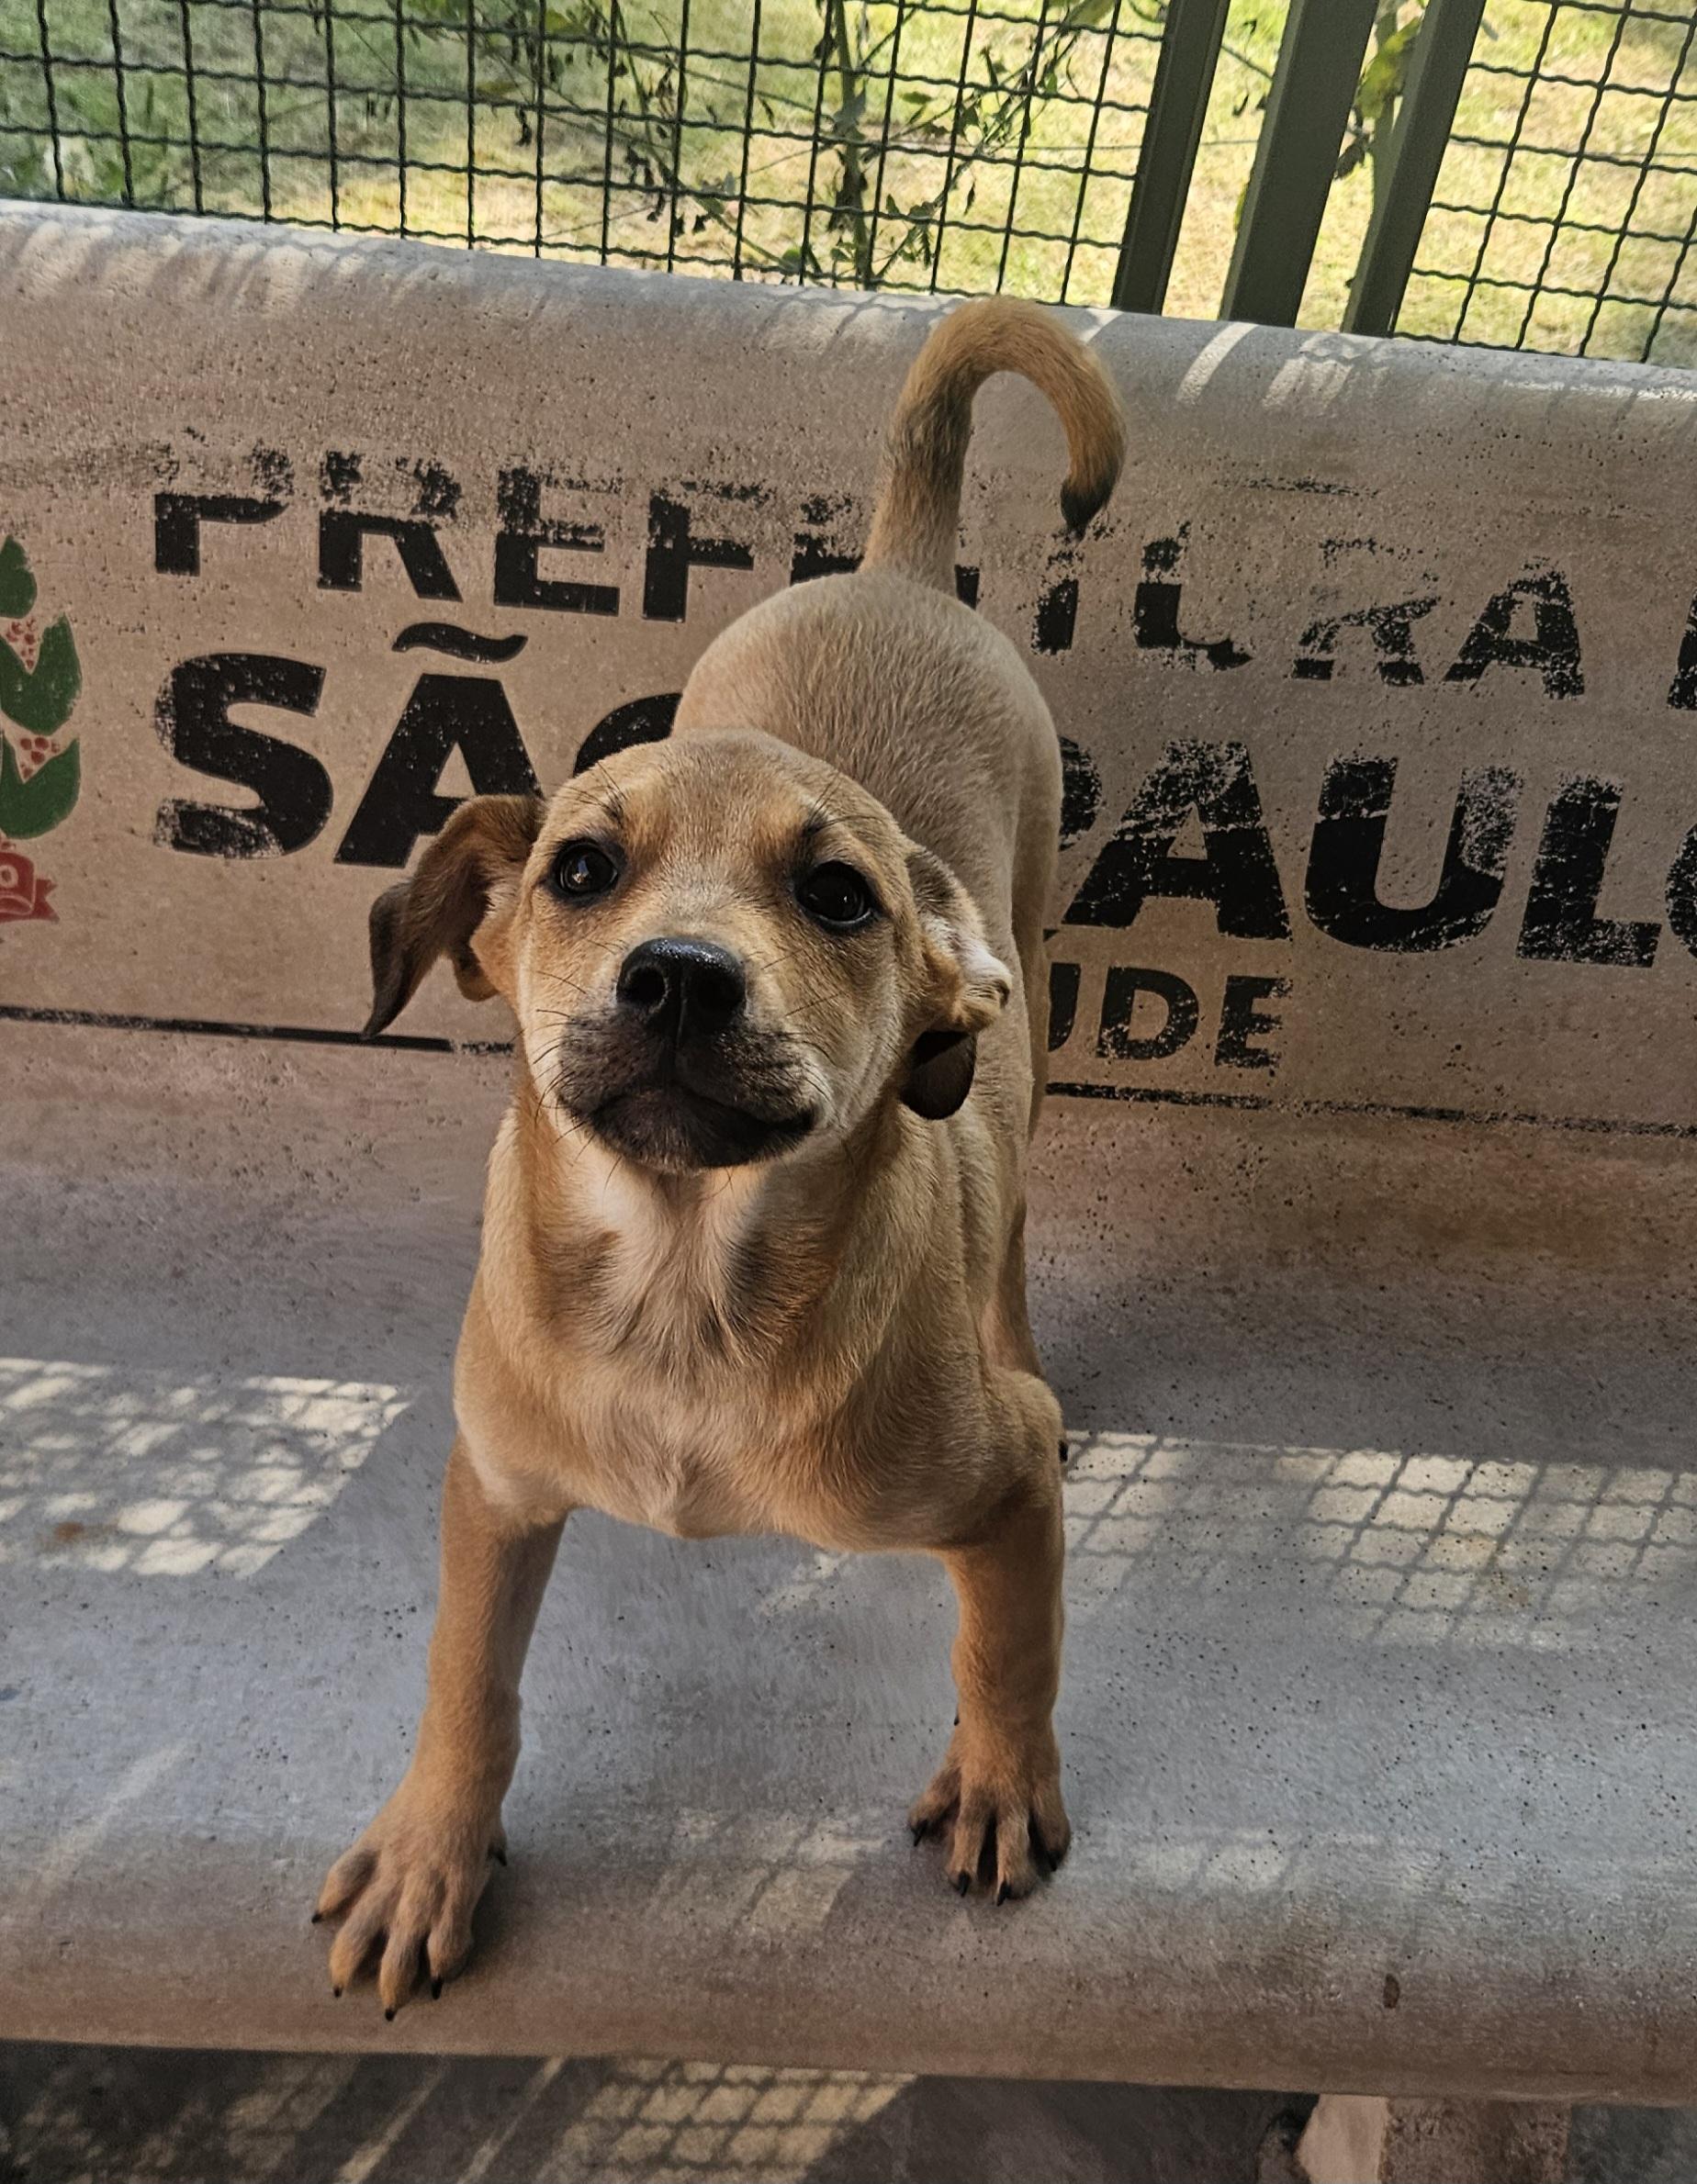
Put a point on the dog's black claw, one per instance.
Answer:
(499, 1855)
(388, 2017)
(921, 1829)
(315, 1917)
(336, 1994)
(963, 1881)
(436, 1990)
(1066, 1451)
(1003, 1893)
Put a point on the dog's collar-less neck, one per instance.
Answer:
(782, 1268)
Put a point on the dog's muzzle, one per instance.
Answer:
(674, 1076)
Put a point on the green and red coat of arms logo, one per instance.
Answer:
(40, 768)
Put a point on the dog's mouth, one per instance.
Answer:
(676, 1126)
(721, 1101)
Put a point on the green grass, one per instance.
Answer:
(753, 191)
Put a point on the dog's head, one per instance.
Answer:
(717, 949)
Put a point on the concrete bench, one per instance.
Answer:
(1364, 1209)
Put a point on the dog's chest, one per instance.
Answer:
(679, 1464)
(680, 1440)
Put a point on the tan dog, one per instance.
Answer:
(753, 1258)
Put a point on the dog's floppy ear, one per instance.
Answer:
(968, 984)
(478, 855)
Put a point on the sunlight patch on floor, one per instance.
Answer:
(157, 1475)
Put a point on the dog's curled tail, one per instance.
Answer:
(917, 518)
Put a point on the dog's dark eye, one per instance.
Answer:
(583, 869)
(836, 896)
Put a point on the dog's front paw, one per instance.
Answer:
(1002, 1795)
(409, 1887)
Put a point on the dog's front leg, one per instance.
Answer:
(1001, 1778)
(413, 1880)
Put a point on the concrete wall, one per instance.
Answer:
(1380, 675)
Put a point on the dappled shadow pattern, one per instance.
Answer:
(241, 2119)
(163, 1475)
(1406, 1548)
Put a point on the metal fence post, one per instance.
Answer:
(1436, 71)
(1183, 77)
(1314, 85)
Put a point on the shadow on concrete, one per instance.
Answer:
(174, 2117)
(94, 2116)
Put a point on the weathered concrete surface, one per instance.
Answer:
(1379, 1710)
(1379, 1715)
(1356, 2139)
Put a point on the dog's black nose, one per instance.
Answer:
(683, 986)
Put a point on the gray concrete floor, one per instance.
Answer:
(101, 2115)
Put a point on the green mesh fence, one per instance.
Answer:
(1566, 211)
(951, 146)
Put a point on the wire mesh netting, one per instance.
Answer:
(946, 145)
(1565, 212)
(932, 144)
